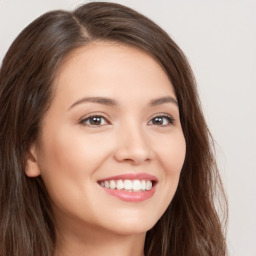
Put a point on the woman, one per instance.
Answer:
(104, 148)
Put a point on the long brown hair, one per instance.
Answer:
(190, 226)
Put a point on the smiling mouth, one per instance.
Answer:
(128, 185)
(131, 187)
(133, 182)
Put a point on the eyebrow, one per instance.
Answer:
(112, 102)
(162, 100)
(99, 100)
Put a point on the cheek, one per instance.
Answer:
(171, 157)
(63, 151)
(61, 168)
(68, 160)
(171, 153)
(68, 163)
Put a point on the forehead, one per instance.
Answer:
(110, 68)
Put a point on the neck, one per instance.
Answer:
(97, 242)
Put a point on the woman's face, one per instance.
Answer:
(112, 131)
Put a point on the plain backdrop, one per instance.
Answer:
(219, 39)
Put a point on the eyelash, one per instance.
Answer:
(92, 116)
(168, 117)
(82, 121)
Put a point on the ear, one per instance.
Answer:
(32, 167)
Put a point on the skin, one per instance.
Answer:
(72, 155)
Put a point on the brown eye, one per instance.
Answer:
(94, 121)
(163, 120)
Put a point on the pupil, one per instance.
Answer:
(158, 120)
(96, 120)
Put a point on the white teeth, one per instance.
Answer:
(130, 185)
(149, 185)
(112, 184)
(136, 186)
(143, 185)
(119, 184)
(107, 185)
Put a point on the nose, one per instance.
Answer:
(133, 146)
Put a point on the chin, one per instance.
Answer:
(132, 226)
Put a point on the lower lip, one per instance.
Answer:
(131, 196)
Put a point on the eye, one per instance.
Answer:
(94, 120)
(162, 120)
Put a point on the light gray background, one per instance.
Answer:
(219, 38)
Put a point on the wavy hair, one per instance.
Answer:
(190, 226)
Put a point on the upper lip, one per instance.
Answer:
(132, 176)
